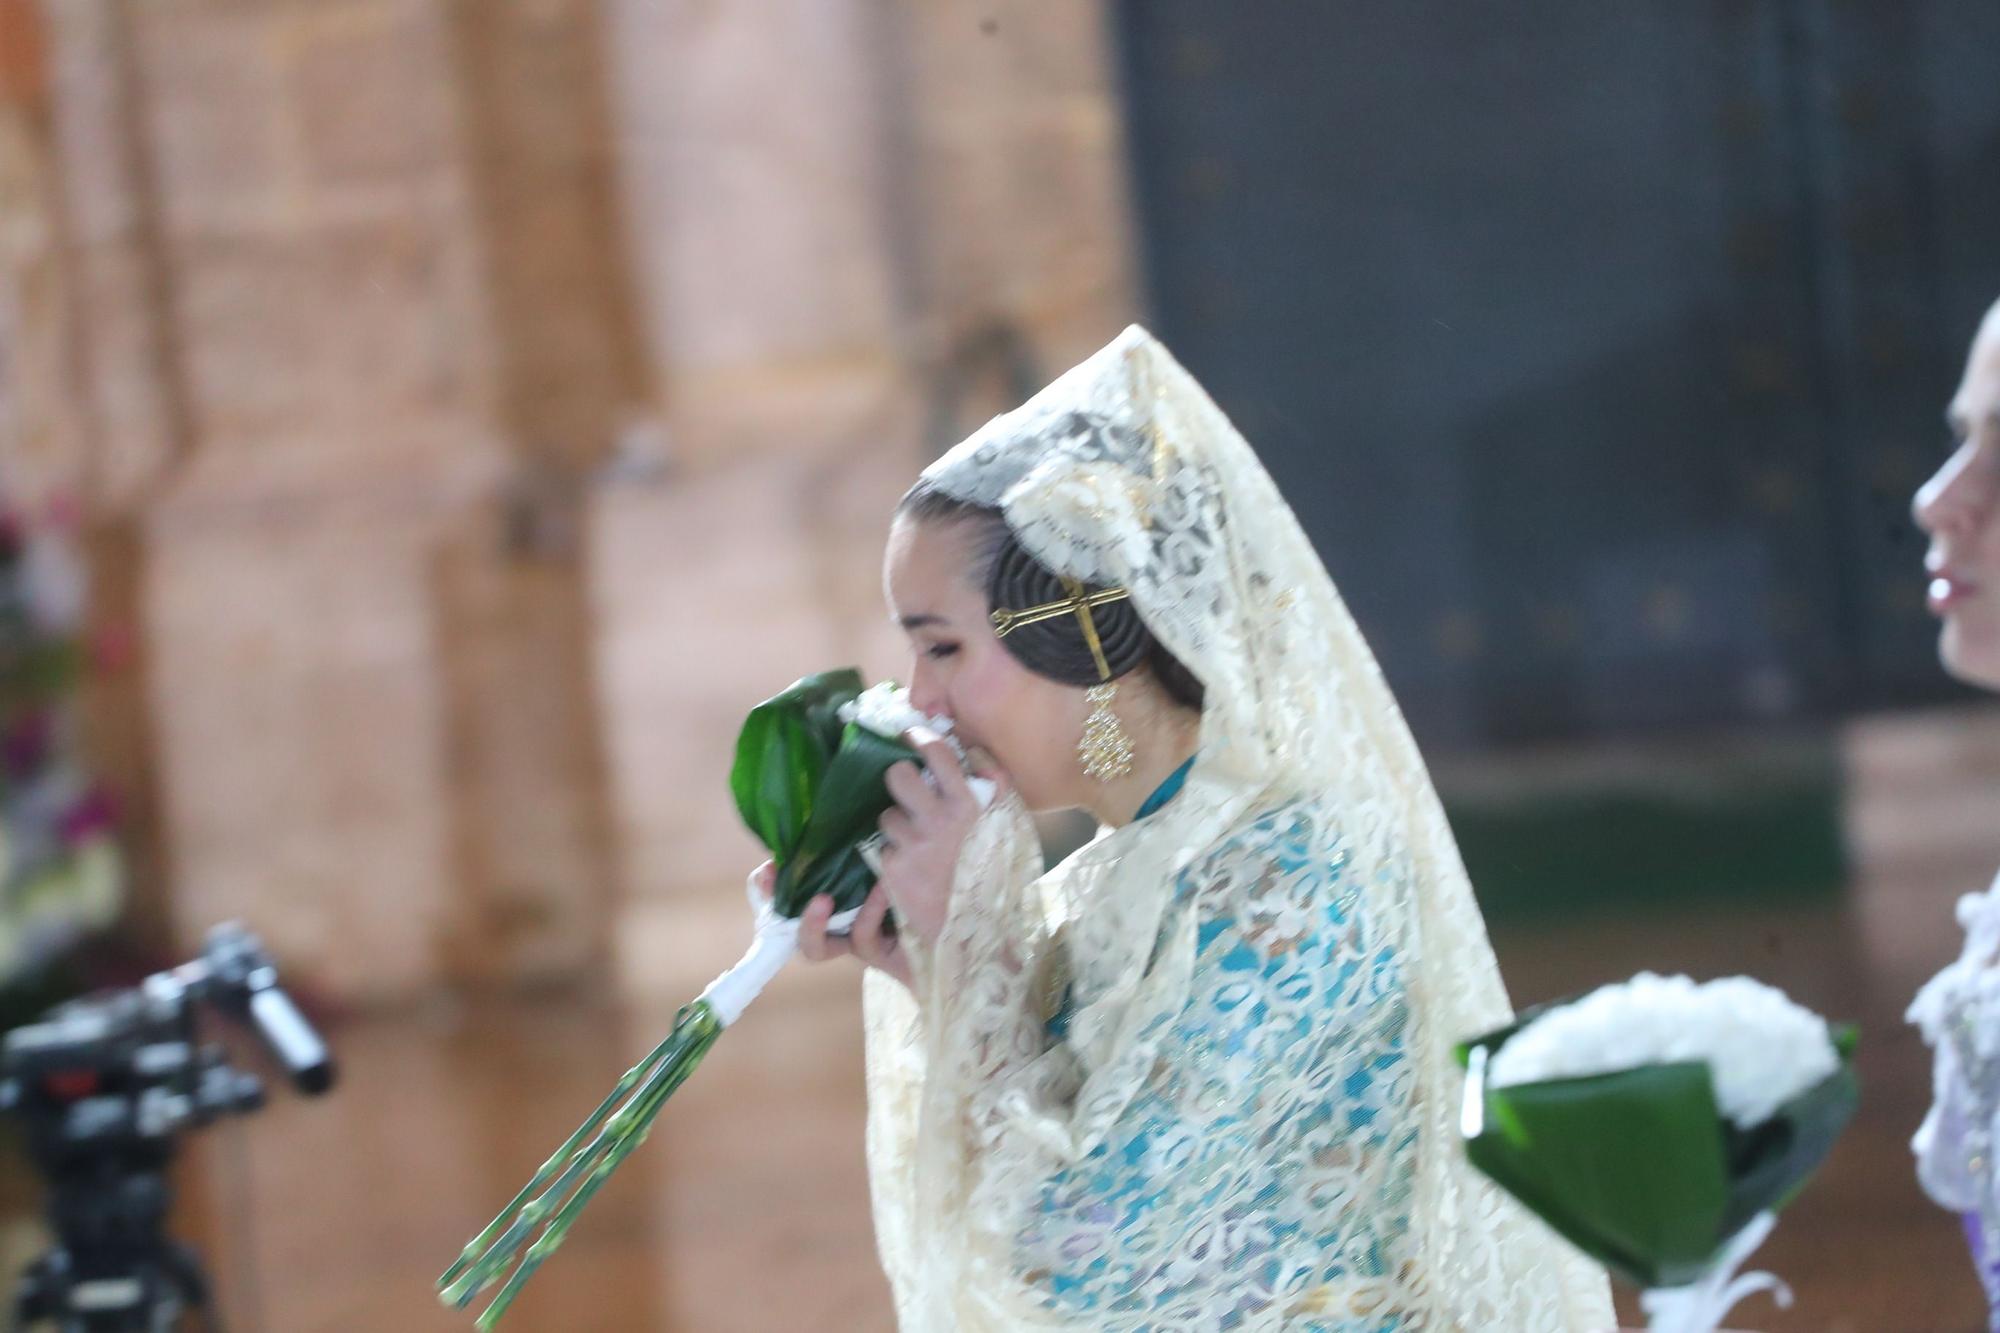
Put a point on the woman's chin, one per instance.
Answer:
(1036, 804)
(1969, 646)
(1039, 802)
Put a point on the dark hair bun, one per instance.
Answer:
(1054, 648)
(1057, 647)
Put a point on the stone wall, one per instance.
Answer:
(858, 230)
(479, 403)
(353, 347)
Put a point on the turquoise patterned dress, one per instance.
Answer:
(1346, 1040)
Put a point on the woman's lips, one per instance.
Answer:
(1948, 591)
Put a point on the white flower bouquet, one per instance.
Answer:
(1659, 1124)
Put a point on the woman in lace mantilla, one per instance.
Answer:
(1199, 1074)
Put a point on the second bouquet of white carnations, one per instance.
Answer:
(1659, 1124)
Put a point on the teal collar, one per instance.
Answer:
(1166, 790)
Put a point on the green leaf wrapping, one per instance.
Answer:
(1627, 1166)
(841, 875)
(781, 753)
(1639, 1169)
(1771, 1164)
(852, 797)
(811, 787)
(853, 793)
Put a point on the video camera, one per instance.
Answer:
(103, 1086)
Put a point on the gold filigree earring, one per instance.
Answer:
(1104, 750)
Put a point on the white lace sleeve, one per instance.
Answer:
(1958, 1012)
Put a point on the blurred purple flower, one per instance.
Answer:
(25, 747)
(92, 817)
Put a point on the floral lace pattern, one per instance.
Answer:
(1958, 1011)
(1250, 1120)
(1288, 1055)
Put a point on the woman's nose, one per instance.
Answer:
(925, 696)
(1949, 502)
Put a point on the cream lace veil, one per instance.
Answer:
(1124, 472)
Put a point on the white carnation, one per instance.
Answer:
(1761, 1048)
(885, 710)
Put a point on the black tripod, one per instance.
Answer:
(112, 1268)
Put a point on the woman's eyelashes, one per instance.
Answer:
(937, 652)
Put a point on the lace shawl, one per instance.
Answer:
(1250, 1122)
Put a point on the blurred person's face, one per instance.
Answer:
(959, 670)
(1960, 509)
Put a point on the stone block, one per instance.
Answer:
(1016, 172)
(298, 702)
(216, 115)
(532, 897)
(304, 335)
(371, 87)
(121, 369)
(755, 177)
(86, 98)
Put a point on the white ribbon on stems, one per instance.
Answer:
(1701, 1306)
(775, 941)
(777, 937)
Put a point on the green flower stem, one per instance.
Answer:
(451, 1283)
(489, 1266)
(635, 1131)
(484, 1241)
(656, 1078)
